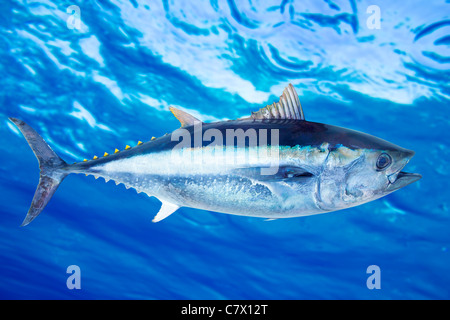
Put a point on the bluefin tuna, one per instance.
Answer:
(272, 164)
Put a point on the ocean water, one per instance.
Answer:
(104, 75)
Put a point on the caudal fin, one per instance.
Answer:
(51, 166)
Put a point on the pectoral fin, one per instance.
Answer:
(284, 173)
(279, 184)
(166, 210)
(279, 189)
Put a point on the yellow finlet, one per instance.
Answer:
(139, 142)
(84, 160)
(153, 138)
(127, 147)
(117, 150)
(95, 157)
(106, 154)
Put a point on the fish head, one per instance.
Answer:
(378, 173)
(363, 172)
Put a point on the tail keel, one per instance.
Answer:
(51, 166)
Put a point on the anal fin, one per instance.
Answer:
(166, 210)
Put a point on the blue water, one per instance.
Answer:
(109, 83)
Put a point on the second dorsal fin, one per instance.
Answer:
(185, 118)
(288, 107)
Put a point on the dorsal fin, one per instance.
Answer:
(185, 118)
(288, 107)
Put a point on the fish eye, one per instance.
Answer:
(383, 161)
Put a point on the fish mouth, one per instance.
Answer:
(402, 179)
